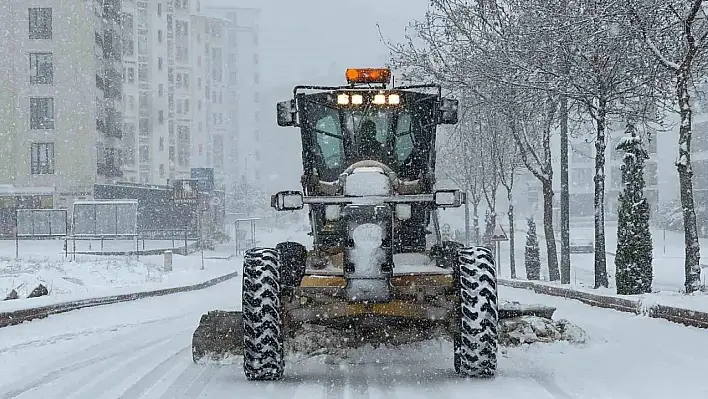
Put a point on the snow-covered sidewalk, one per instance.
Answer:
(668, 268)
(93, 276)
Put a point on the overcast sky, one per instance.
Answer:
(302, 40)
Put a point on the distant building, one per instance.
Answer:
(174, 67)
(242, 142)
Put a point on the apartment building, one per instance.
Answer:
(60, 101)
(242, 140)
(172, 53)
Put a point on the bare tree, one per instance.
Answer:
(507, 158)
(490, 171)
(675, 33)
(460, 163)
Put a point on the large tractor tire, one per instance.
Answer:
(263, 352)
(293, 256)
(476, 340)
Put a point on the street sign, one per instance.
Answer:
(499, 234)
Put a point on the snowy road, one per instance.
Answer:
(141, 350)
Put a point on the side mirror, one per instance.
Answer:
(286, 113)
(287, 201)
(449, 198)
(448, 111)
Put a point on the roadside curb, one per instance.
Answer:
(686, 317)
(20, 316)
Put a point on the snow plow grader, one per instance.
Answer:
(377, 264)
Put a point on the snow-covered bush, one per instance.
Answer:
(532, 253)
(634, 247)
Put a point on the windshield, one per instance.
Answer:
(344, 136)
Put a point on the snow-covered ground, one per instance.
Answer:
(90, 276)
(142, 350)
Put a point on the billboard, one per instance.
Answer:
(41, 222)
(105, 218)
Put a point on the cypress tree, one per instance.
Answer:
(532, 253)
(634, 246)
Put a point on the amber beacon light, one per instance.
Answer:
(368, 75)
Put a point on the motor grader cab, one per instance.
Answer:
(377, 260)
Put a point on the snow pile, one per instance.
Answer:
(62, 277)
(339, 345)
(532, 329)
(315, 340)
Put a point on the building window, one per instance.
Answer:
(186, 106)
(218, 151)
(216, 64)
(162, 144)
(128, 141)
(41, 69)
(178, 84)
(160, 62)
(199, 83)
(41, 113)
(186, 80)
(161, 117)
(159, 35)
(183, 133)
(142, 44)
(179, 107)
(131, 75)
(160, 90)
(162, 170)
(131, 102)
(142, 19)
(144, 154)
(143, 102)
(127, 36)
(159, 9)
(40, 23)
(42, 158)
(143, 127)
(143, 72)
(170, 101)
(183, 156)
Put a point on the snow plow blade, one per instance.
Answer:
(220, 332)
(219, 335)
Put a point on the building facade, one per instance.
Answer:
(242, 140)
(108, 90)
(60, 100)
